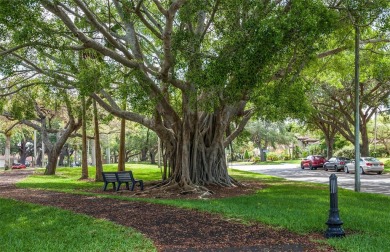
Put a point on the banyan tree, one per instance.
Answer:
(194, 71)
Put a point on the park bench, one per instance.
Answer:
(109, 177)
(120, 178)
(127, 177)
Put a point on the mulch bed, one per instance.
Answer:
(170, 228)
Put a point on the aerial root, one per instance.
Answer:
(171, 186)
(235, 182)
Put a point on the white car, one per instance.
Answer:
(367, 164)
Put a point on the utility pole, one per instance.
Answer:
(375, 134)
(357, 110)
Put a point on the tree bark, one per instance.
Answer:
(7, 164)
(98, 151)
(152, 155)
(39, 159)
(23, 153)
(52, 158)
(198, 155)
(122, 144)
(365, 145)
(144, 154)
(84, 151)
(122, 149)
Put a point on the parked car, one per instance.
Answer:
(313, 162)
(336, 163)
(367, 164)
(18, 166)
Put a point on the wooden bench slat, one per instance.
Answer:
(109, 177)
(127, 177)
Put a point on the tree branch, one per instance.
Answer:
(88, 42)
(102, 29)
(239, 128)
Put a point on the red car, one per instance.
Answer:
(313, 162)
(18, 166)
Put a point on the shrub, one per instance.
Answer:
(387, 164)
(348, 151)
(379, 152)
(272, 157)
(285, 157)
(246, 155)
(297, 152)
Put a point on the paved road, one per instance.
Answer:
(372, 183)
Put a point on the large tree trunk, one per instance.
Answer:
(23, 152)
(365, 145)
(7, 164)
(329, 148)
(122, 149)
(198, 155)
(152, 155)
(122, 143)
(38, 161)
(144, 154)
(98, 151)
(194, 143)
(52, 158)
(329, 140)
(84, 151)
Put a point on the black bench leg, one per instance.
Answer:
(119, 185)
(141, 183)
(106, 184)
(127, 186)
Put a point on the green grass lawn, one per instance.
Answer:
(297, 206)
(29, 227)
(67, 179)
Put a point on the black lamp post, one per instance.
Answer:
(334, 223)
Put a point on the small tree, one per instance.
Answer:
(246, 155)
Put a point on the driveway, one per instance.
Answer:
(371, 183)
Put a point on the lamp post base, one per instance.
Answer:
(335, 232)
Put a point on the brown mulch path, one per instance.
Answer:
(170, 228)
